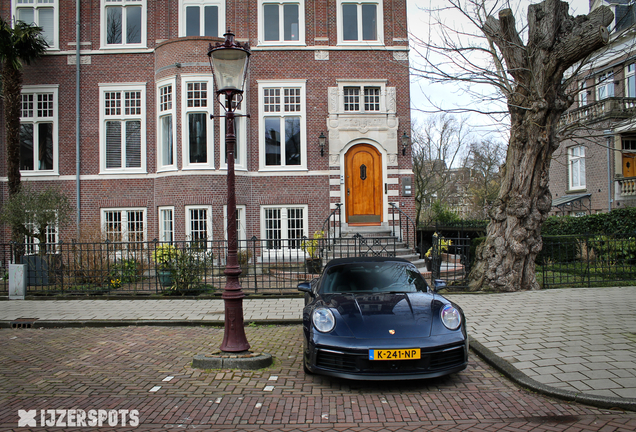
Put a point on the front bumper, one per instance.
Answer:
(354, 363)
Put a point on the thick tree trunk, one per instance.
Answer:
(12, 83)
(505, 261)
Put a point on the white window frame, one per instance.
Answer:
(208, 220)
(582, 94)
(630, 80)
(240, 130)
(35, 119)
(104, 23)
(285, 247)
(207, 110)
(379, 22)
(183, 4)
(32, 244)
(576, 167)
(302, 113)
(166, 233)
(166, 108)
(241, 232)
(281, 22)
(103, 118)
(362, 85)
(124, 221)
(36, 5)
(605, 86)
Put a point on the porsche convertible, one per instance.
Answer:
(377, 319)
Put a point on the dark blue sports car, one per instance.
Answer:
(376, 318)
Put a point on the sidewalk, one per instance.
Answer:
(574, 344)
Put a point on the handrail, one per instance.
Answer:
(408, 226)
(338, 225)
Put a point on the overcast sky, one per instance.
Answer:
(446, 94)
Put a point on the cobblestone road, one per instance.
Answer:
(130, 368)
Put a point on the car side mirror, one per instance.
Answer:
(439, 284)
(305, 287)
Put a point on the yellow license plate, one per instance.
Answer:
(395, 354)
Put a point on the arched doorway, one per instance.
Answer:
(363, 182)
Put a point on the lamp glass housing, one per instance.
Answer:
(230, 66)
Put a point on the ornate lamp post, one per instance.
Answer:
(229, 61)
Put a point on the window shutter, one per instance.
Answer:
(133, 144)
(113, 144)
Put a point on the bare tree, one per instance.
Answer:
(484, 161)
(530, 75)
(437, 145)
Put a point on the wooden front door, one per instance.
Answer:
(363, 180)
(629, 160)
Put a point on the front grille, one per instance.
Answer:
(446, 359)
(359, 362)
(337, 361)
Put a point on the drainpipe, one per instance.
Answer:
(609, 138)
(77, 114)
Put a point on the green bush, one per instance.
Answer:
(559, 249)
(617, 221)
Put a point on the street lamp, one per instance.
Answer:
(229, 61)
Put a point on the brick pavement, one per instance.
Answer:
(118, 368)
(580, 339)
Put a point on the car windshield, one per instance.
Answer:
(372, 277)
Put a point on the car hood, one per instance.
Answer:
(384, 315)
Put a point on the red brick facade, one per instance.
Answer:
(319, 65)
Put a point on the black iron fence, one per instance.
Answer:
(586, 261)
(271, 266)
(449, 258)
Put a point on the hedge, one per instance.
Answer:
(619, 221)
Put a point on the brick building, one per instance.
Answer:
(595, 169)
(151, 158)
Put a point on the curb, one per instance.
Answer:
(518, 377)
(146, 323)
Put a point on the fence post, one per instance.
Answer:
(254, 239)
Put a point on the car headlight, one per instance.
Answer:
(451, 317)
(323, 320)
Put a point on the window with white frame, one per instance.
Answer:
(124, 224)
(362, 96)
(282, 125)
(240, 131)
(201, 18)
(630, 80)
(283, 227)
(123, 23)
(199, 225)
(165, 135)
(360, 22)
(197, 126)
(122, 128)
(166, 224)
(38, 130)
(370, 99)
(32, 244)
(241, 232)
(576, 164)
(605, 86)
(43, 13)
(582, 94)
(281, 22)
